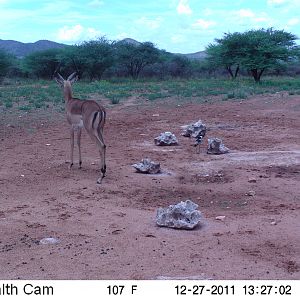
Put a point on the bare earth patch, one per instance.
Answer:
(108, 231)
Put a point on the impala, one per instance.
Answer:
(83, 113)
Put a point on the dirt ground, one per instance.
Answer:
(108, 231)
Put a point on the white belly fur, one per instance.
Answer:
(78, 125)
(75, 121)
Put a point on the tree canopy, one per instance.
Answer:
(42, 64)
(255, 50)
(6, 61)
(136, 57)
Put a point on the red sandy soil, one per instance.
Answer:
(108, 231)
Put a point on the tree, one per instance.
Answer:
(255, 50)
(179, 66)
(95, 57)
(6, 61)
(136, 57)
(226, 53)
(71, 60)
(42, 64)
(265, 49)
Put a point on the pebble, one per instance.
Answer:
(49, 240)
(220, 218)
(250, 193)
(252, 179)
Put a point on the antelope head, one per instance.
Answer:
(61, 81)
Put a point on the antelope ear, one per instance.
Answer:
(59, 79)
(73, 77)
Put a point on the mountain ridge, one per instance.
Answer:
(20, 49)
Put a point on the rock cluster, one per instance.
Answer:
(147, 166)
(215, 146)
(183, 215)
(166, 139)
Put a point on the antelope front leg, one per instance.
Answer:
(72, 147)
(79, 146)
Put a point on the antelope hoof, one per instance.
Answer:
(100, 178)
(80, 163)
(70, 166)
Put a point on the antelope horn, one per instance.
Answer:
(60, 77)
(75, 66)
(56, 73)
(72, 76)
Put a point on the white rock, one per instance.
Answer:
(166, 139)
(49, 240)
(250, 193)
(215, 146)
(183, 215)
(147, 166)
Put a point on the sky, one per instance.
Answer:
(178, 26)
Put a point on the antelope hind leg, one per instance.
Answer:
(79, 146)
(72, 148)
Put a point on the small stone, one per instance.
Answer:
(194, 129)
(183, 215)
(274, 223)
(250, 193)
(215, 146)
(49, 240)
(166, 139)
(252, 179)
(220, 218)
(147, 166)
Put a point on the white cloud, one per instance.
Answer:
(293, 22)
(277, 2)
(70, 33)
(183, 8)
(245, 13)
(178, 39)
(149, 23)
(77, 33)
(204, 24)
(96, 3)
(247, 17)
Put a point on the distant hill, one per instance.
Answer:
(130, 41)
(22, 49)
(197, 55)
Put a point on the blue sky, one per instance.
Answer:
(183, 26)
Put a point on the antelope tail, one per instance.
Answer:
(98, 119)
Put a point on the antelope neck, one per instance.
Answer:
(67, 91)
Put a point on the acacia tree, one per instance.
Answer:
(179, 66)
(136, 57)
(90, 58)
(266, 49)
(95, 57)
(6, 61)
(255, 50)
(226, 53)
(42, 64)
